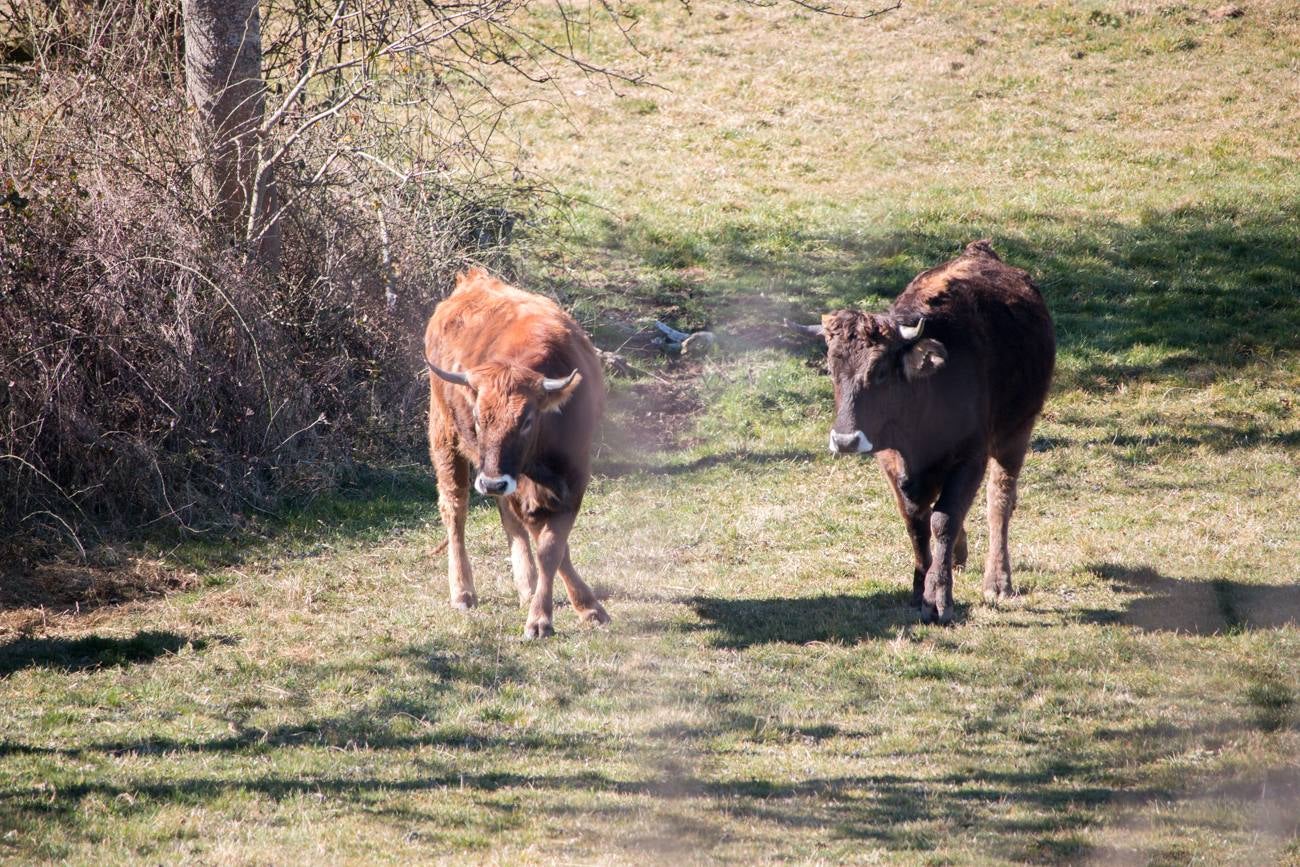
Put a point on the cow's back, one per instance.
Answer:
(486, 321)
(990, 316)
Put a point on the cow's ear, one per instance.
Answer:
(556, 392)
(924, 358)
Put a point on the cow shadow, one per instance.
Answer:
(1195, 606)
(832, 619)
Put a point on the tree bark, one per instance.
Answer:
(223, 76)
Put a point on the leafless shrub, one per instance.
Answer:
(153, 372)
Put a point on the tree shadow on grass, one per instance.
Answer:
(840, 619)
(616, 468)
(1037, 808)
(1057, 799)
(91, 651)
(371, 728)
(868, 806)
(375, 503)
(1214, 436)
(36, 581)
(78, 587)
(1195, 606)
(1211, 285)
(410, 721)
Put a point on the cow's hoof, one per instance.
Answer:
(996, 592)
(933, 614)
(994, 597)
(464, 602)
(595, 616)
(540, 629)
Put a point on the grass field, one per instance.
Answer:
(764, 692)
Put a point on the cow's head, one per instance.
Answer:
(874, 359)
(508, 402)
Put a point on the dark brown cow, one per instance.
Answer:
(935, 409)
(514, 402)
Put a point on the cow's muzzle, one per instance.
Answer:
(495, 486)
(855, 443)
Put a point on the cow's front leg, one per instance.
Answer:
(453, 503)
(551, 536)
(913, 497)
(918, 530)
(946, 522)
(521, 552)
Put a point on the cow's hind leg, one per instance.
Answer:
(584, 601)
(453, 503)
(960, 550)
(521, 552)
(946, 520)
(1004, 472)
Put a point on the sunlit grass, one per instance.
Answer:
(764, 692)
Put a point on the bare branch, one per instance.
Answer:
(822, 9)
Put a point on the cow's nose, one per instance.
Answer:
(849, 443)
(495, 485)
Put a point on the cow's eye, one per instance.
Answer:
(879, 370)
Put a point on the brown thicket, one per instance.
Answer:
(152, 369)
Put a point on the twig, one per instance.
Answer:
(80, 548)
(257, 354)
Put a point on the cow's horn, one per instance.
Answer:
(810, 330)
(911, 332)
(549, 384)
(454, 378)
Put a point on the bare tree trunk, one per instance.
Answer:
(223, 75)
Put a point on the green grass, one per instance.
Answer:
(764, 692)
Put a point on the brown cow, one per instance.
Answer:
(515, 399)
(936, 409)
